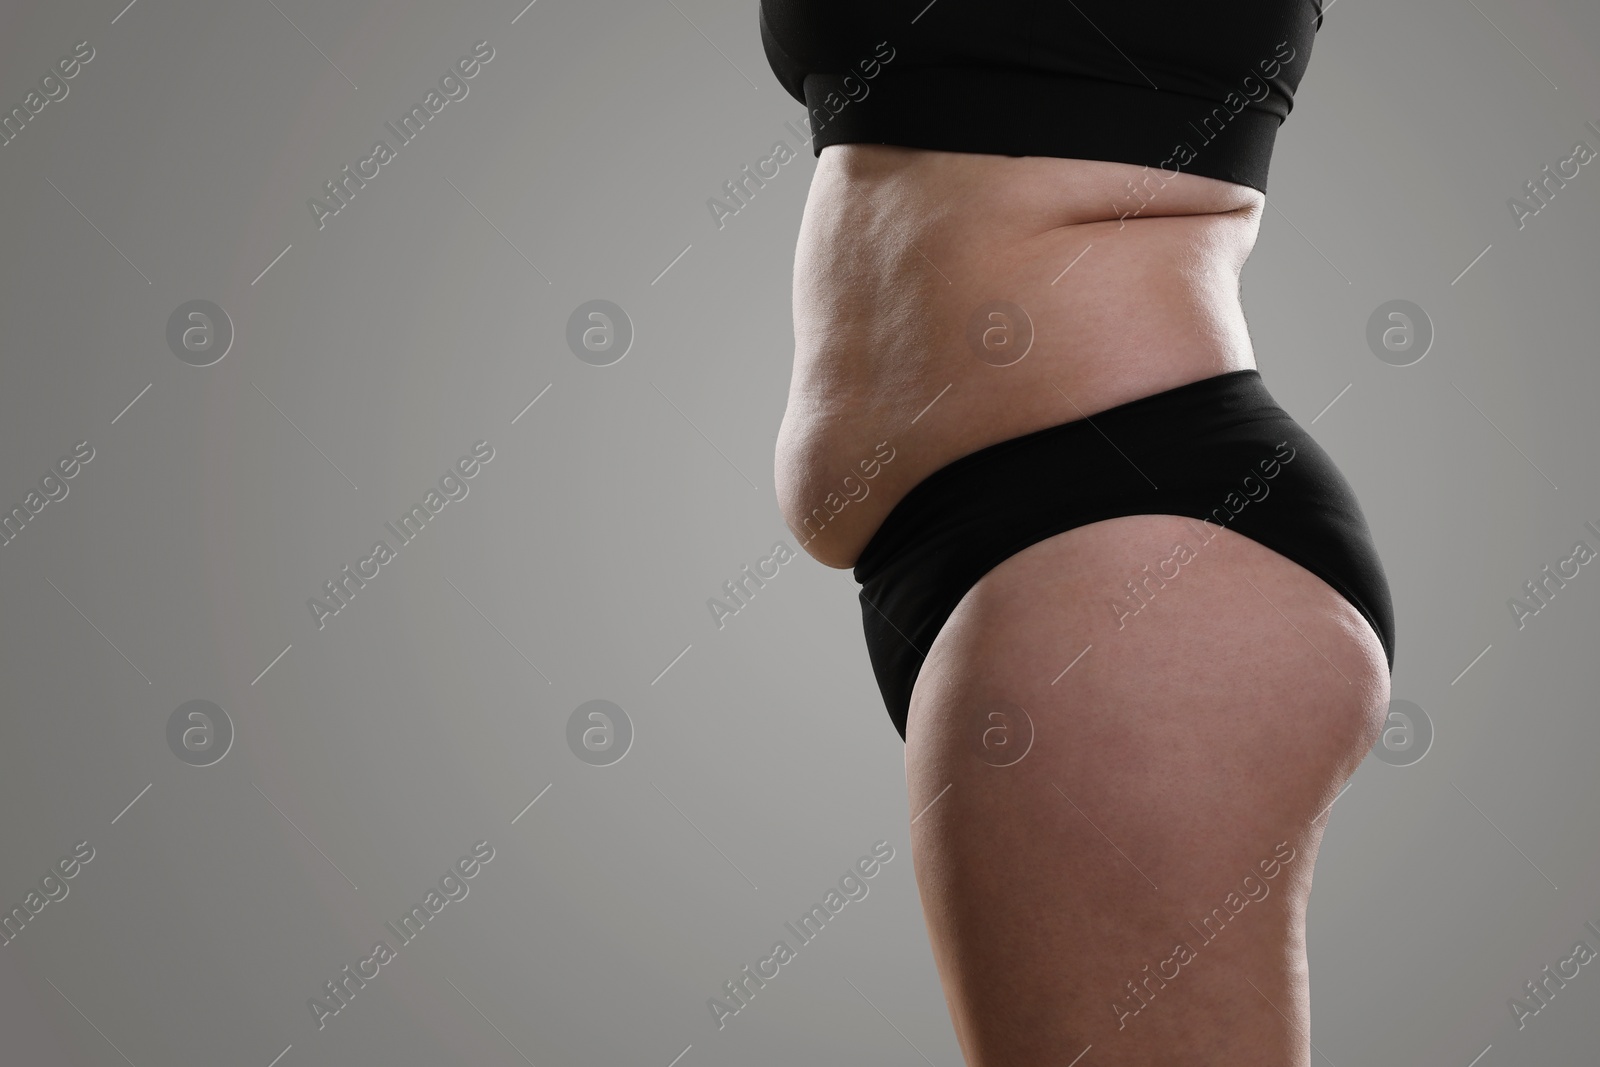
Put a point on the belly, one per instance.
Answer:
(948, 301)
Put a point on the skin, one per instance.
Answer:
(1192, 743)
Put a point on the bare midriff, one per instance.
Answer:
(1127, 278)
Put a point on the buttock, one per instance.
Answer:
(1220, 449)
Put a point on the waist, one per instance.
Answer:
(947, 301)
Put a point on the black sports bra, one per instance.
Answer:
(1193, 87)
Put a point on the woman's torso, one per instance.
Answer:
(1128, 275)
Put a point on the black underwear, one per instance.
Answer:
(1219, 449)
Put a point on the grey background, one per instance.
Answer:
(429, 712)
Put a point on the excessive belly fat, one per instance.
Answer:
(899, 344)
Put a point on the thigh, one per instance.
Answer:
(1116, 812)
